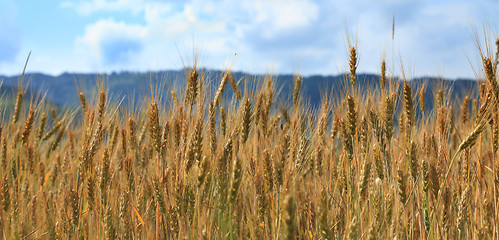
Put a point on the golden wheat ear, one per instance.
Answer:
(296, 92)
(353, 67)
(382, 78)
(218, 94)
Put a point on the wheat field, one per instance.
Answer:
(373, 165)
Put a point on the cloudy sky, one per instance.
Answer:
(280, 36)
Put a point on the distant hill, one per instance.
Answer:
(131, 86)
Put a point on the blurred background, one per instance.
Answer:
(430, 38)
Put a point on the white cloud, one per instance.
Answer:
(281, 15)
(431, 35)
(157, 12)
(112, 42)
(86, 7)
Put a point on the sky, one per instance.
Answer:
(308, 37)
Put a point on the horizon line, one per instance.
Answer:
(220, 70)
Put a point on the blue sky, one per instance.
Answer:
(258, 36)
